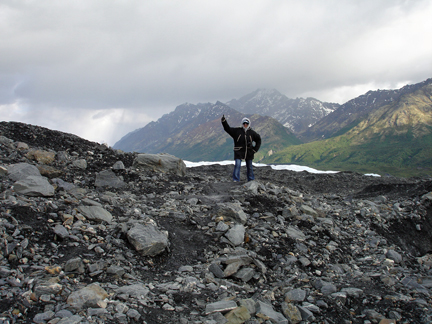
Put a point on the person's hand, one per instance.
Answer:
(223, 118)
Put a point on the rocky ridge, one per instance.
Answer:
(362, 107)
(296, 114)
(94, 235)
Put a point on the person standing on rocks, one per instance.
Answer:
(246, 143)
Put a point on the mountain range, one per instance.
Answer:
(382, 131)
(195, 133)
(352, 112)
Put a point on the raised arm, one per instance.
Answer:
(225, 125)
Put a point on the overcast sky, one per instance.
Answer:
(100, 69)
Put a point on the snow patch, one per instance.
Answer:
(290, 167)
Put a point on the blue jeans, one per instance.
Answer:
(249, 168)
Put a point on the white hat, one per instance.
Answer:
(245, 120)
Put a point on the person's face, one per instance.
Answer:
(245, 125)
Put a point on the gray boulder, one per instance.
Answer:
(47, 287)
(6, 141)
(134, 290)
(119, 165)
(295, 295)
(295, 233)
(61, 231)
(80, 164)
(35, 186)
(107, 178)
(291, 312)
(95, 213)
(308, 210)
(254, 186)
(231, 212)
(220, 306)
(160, 162)
(236, 234)
(91, 295)
(147, 239)
(393, 255)
(266, 311)
(21, 171)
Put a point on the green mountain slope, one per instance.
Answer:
(395, 138)
(351, 113)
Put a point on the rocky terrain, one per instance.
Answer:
(93, 235)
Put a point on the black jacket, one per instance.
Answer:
(246, 143)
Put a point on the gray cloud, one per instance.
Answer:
(100, 69)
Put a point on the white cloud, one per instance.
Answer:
(102, 125)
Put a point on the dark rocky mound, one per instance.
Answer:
(289, 247)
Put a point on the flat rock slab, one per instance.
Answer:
(135, 290)
(160, 162)
(295, 233)
(35, 186)
(21, 171)
(220, 306)
(95, 213)
(267, 312)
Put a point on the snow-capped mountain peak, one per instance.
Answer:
(295, 114)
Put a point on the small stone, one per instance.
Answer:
(291, 312)
(168, 307)
(75, 264)
(238, 315)
(245, 274)
(61, 231)
(308, 210)
(393, 255)
(217, 270)
(387, 321)
(96, 311)
(186, 269)
(116, 270)
(220, 306)
(134, 314)
(266, 311)
(80, 164)
(295, 295)
(43, 317)
(250, 304)
(328, 289)
(91, 294)
(304, 261)
(306, 314)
